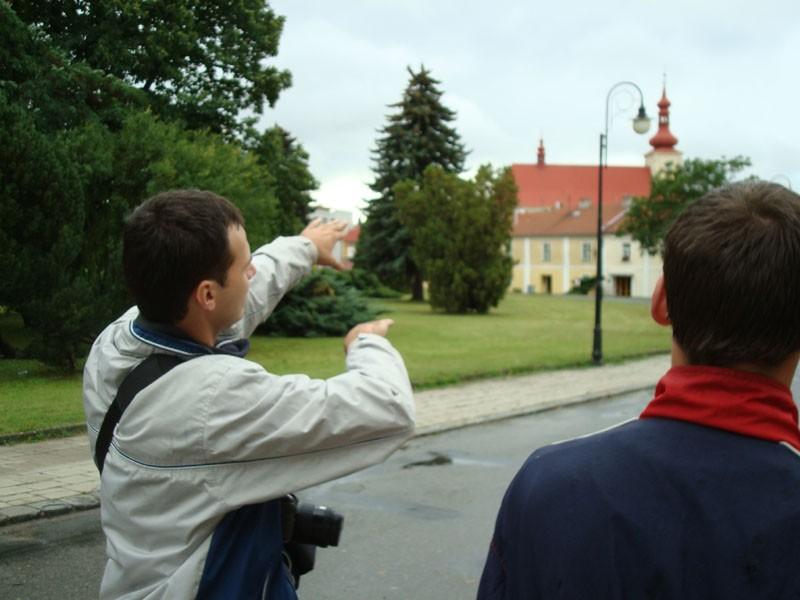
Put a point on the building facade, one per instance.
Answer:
(552, 258)
(554, 237)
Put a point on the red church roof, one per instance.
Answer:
(352, 235)
(546, 185)
(568, 222)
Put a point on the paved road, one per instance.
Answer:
(416, 527)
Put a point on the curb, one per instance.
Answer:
(529, 410)
(48, 508)
(42, 434)
(52, 508)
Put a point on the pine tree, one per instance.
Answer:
(324, 303)
(418, 134)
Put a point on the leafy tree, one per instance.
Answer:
(324, 303)
(176, 158)
(461, 232)
(202, 62)
(417, 134)
(287, 162)
(672, 190)
(59, 93)
(81, 148)
(50, 113)
(41, 222)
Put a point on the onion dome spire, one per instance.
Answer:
(663, 140)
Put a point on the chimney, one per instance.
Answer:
(540, 154)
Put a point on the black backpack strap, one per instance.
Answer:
(143, 375)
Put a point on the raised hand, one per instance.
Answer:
(324, 236)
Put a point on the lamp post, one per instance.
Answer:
(641, 124)
(781, 177)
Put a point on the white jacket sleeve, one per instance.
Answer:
(268, 435)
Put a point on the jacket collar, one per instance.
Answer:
(737, 401)
(172, 339)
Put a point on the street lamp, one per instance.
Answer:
(641, 124)
(781, 177)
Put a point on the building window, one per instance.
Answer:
(586, 252)
(546, 251)
(626, 252)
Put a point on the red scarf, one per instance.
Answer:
(737, 401)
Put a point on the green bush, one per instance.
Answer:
(584, 286)
(369, 284)
(461, 234)
(325, 303)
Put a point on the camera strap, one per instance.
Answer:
(153, 367)
(145, 373)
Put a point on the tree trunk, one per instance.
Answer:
(6, 349)
(72, 360)
(416, 288)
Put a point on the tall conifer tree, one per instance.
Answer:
(418, 134)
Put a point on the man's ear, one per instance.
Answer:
(205, 295)
(658, 304)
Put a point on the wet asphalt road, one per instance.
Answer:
(417, 526)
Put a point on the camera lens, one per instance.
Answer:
(317, 525)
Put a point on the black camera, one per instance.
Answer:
(310, 524)
(306, 526)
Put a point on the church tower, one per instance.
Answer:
(663, 142)
(540, 153)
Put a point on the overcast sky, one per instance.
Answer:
(515, 70)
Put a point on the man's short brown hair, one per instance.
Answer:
(171, 243)
(732, 276)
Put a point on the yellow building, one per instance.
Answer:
(553, 250)
(554, 238)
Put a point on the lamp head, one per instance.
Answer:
(641, 124)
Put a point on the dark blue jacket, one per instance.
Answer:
(654, 508)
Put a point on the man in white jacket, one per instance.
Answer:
(195, 466)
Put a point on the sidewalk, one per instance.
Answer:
(58, 476)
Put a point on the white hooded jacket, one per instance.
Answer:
(219, 432)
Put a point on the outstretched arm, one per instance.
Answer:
(292, 431)
(280, 264)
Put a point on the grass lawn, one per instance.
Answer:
(526, 333)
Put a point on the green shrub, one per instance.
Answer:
(584, 286)
(369, 284)
(325, 303)
(461, 234)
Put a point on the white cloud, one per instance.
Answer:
(346, 192)
(524, 69)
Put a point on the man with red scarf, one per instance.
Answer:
(700, 496)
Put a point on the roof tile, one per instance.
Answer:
(545, 185)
